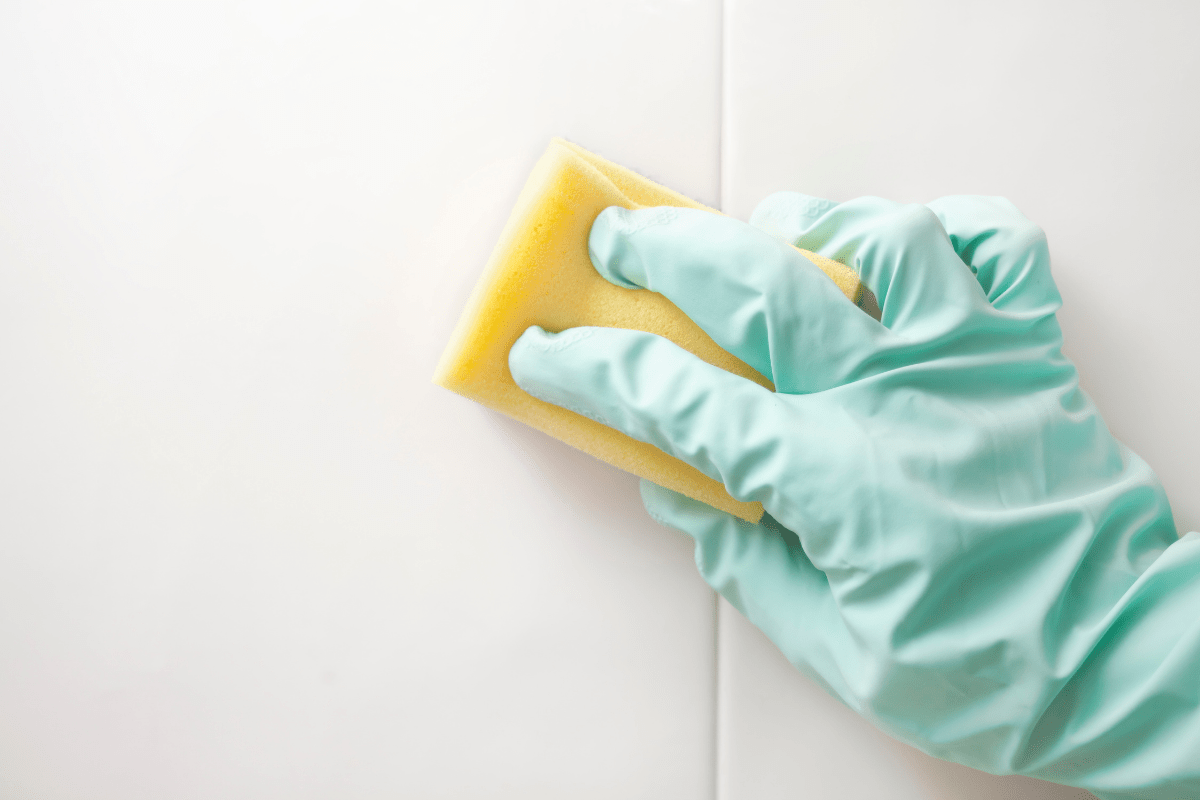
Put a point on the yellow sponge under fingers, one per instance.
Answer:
(540, 274)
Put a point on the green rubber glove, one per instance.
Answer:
(955, 546)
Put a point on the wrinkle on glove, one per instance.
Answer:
(956, 546)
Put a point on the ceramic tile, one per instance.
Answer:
(249, 550)
(1074, 112)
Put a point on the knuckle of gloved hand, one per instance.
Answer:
(1026, 237)
(912, 222)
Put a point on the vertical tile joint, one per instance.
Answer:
(722, 43)
(722, 139)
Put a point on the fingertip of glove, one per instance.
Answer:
(608, 246)
(679, 511)
(713, 531)
(605, 245)
(540, 369)
(523, 355)
(659, 501)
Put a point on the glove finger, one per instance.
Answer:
(1007, 252)
(653, 390)
(756, 296)
(762, 570)
(789, 215)
(902, 253)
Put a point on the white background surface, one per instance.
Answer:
(247, 550)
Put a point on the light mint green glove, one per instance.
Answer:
(955, 546)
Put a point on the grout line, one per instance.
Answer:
(716, 713)
(722, 19)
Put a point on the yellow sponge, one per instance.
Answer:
(540, 274)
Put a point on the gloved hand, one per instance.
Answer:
(955, 546)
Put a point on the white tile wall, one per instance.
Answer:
(247, 550)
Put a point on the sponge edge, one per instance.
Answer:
(540, 274)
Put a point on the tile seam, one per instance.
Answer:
(722, 45)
